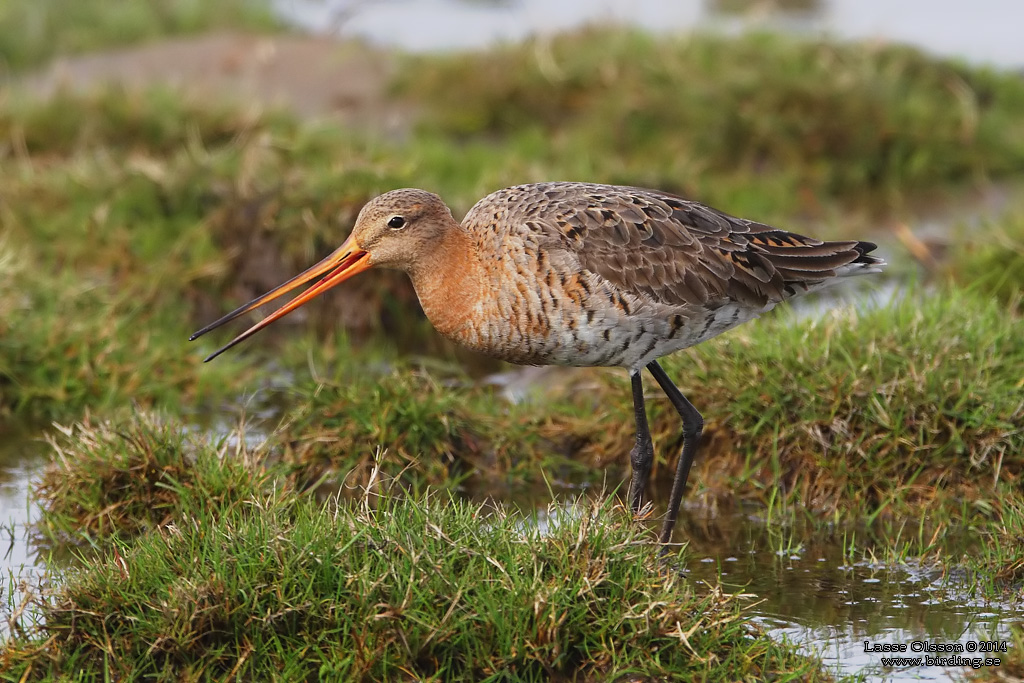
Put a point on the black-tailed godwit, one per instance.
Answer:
(582, 274)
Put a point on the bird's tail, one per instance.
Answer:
(864, 264)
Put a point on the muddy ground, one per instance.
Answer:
(315, 77)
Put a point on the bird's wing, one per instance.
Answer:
(673, 250)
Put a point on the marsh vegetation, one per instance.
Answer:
(348, 541)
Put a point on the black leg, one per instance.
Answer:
(642, 454)
(693, 424)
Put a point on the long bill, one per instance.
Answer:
(348, 260)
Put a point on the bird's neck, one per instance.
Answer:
(450, 283)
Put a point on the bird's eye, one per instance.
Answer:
(396, 222)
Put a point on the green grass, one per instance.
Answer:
(990, 258)
(186, 205)
(119, 478)
(761, 123)
(34, 31)
(1011, 665)
(1000, 557)
(904, 409)
(424, 429)
(130, 212)
(433, 590)
(69, 342)
(154, 124)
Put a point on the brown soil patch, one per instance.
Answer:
(315, 77)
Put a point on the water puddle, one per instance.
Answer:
(988, 33)
(813, 596)
(807, 591)
(22, 456)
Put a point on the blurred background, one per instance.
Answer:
(984, 32)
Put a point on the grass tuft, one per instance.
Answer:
(117, 479)
(1001, 556)
(437, 589)
(340, 428)
(155, 122)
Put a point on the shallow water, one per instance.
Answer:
(829, 605)
(984, 31)
(22, 455)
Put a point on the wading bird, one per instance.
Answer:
(581, 274)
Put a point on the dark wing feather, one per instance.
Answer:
(677, 251)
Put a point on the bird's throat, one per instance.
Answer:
(449, 284)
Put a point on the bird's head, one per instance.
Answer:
(398, 229)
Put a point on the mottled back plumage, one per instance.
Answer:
(623, 275)
(670, 249)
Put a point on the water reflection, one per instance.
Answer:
(808, 592)
(22, 455)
